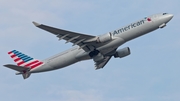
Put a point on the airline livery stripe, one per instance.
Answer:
(9, 52)
(20, 63)
(31, 63)
(14, 51)
(36, 65)
(21, 56)
(17, 59)
(13, 56)
(18, 54)
(26, 60)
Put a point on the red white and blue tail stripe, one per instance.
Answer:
(24, 60)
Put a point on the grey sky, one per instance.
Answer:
(150, 73)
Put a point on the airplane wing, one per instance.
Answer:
(99, 65)
(73, 37)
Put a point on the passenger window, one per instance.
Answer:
(164, 13)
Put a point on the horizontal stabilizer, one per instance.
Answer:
(21, 70)
(17, 68)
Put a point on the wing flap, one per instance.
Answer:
(99, 65)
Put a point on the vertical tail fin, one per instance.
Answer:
(24, 60)
(24, 63)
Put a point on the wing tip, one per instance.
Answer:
(36, 24)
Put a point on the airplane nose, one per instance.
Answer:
(169, 17)
(164, 19)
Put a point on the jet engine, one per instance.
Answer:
(104, 38)
(122, 52)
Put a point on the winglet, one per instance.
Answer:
(36, 24)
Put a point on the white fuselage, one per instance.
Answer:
(119, 36)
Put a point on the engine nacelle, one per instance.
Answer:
(104, 38)
(122, 52)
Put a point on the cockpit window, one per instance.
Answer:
(164, 13)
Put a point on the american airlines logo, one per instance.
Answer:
(124, 29)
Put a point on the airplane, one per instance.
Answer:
(99, 48)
